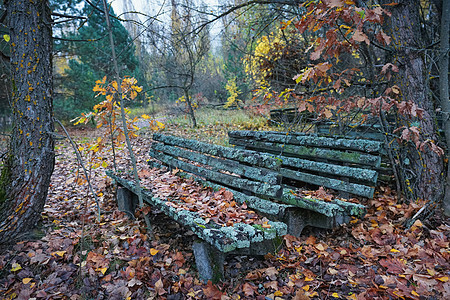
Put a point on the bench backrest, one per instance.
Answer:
(244, 170)
(341, 164)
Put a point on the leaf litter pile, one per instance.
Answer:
(186, 194)
(73, 256)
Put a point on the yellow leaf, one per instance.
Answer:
(443, 279)
(415, 293)
(278, 293)
(431, 272)
(182, 271)
(59, 253)
(306, 287)
(335, 295)
(418, 223)
(144, 116)
(160, 125)
(395, 250)
(153, 251)
(6, 37)
(26, 280)
(313, 294)
(103, 270)
(308, 279)
(16, 267)
(104, 164)
(115, 86)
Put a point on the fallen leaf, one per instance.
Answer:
(16, 267)
(248, 289)
(159, 287)
(26, 280)
(58, 253)
(211, 291)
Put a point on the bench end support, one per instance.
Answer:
(209, 261)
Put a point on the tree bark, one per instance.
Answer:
(443, 92)
(26, 174)
(404, 27)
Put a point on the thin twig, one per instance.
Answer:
(124, 123)
(80, 160)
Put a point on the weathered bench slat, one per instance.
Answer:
(244, 156)
(329, 209)
(263, 175)
(357, 173)
(305, 152)
(224, 238)
(354, 188)
(228, 180)
(309, 140)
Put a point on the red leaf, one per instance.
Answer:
(393, 266)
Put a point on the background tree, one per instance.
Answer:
(89, 61)
(177, 53)
(27, 170)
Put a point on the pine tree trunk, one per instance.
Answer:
(404, 27)
(26, 175)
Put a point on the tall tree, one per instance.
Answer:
(404, 26)
(25, 177)
(90, 61)
(443, 91)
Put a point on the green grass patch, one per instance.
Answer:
(213, 125)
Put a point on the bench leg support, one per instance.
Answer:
(126, 201)
(295, 221)
(209, 261)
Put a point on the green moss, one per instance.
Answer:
(5, 179)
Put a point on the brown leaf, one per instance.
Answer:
(248, 289)
(271, 273)
(228, 195)
(300, 295)
(211, 291)
(360, 36)
(159, 287)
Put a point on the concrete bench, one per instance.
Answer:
(254, 178)
(215, 241)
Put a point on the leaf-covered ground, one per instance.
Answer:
(73, 256)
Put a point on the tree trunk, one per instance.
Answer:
(190, 108)
(26, 175)
(404, 27)
(443, 92)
